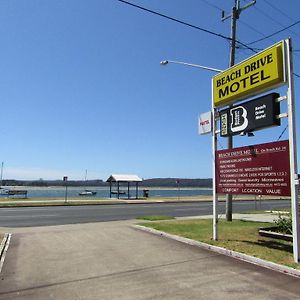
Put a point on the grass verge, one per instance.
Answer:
(238, 235)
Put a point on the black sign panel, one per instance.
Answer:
(250, 116)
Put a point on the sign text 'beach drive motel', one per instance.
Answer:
(253, 76)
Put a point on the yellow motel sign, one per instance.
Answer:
(257, 74)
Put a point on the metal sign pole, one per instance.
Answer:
(214, 149)
(65, 180)
(293, 150)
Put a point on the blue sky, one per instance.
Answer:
(81, 86)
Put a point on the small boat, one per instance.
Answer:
(17, 192)
(3, 191)
(7, 192)
(87, 193)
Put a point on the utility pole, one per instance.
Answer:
(235, 14)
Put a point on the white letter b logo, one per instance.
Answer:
(239, 119)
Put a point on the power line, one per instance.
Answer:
(274, 33)
(185, 23)
(173, 19)
(255, 50)
(261, 49)
(274, 20)
(279, 10)
(240, 21)
(296, 75)
(255, 30)
(282, 133)
(251, 27)
(212, 5)
(268, 16)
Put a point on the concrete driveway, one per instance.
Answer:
(115, 261)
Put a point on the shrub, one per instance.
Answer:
(284, 224)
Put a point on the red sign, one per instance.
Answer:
(258, 170)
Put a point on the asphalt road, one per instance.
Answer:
(61, 215)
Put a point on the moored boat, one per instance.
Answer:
(87, 193)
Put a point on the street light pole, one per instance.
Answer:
(215, 204)
(165, 62)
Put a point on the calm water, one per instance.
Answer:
(103, 192)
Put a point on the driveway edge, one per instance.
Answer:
(3, 248)
(223, 251)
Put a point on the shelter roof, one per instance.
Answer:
(123, 178)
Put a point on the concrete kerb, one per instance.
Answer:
(3, 248)
(96, 202)
(223, 251)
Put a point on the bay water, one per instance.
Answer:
(103, 192)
